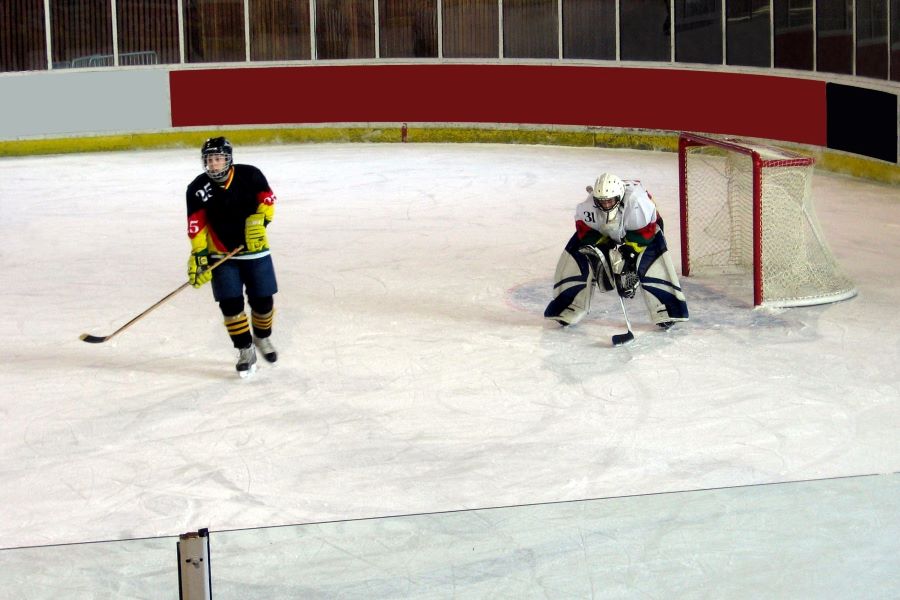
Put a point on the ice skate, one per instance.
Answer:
(246, 364)
(266, 349)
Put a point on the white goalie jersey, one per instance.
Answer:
(636, 222)
(635, 212)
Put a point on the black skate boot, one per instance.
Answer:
(264, 345)
(246, 363)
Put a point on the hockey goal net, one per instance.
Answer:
(747, 208)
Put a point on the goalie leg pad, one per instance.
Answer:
(573, 286)
(660, 285)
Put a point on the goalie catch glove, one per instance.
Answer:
(628, 278)
(198, 269)
(628, 282)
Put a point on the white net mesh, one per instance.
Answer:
(794, 266)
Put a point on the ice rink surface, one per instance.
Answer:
(416, 372)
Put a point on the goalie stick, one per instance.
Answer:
(619, 338)
(99, 339)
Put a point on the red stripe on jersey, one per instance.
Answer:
(648, 231)
(581, 229)
(266, 197)
(196, 223)
(217, 245)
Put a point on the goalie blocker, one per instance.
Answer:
(631, 217)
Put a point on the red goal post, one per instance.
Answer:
(747, 208)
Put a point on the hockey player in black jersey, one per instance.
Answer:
(230, 205)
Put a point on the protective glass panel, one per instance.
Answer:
(148, 32)
(530, 29)
(895, 40)
(747, 33)
(345, 29)
(872, 38)
(834, 36)
(794, 34)
(214, 31)
(471, 28)
(81, 34)
(23, 45)
(589, 29)
(842, 530)
(279, 30)
(698, 31)
(408, 28)
(145, 569)
(841, 534)
(644, 31)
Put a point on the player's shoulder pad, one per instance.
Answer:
(198, 182)
(586, 204)
(634, 190)
(242, 168)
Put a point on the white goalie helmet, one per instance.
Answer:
(608, 192)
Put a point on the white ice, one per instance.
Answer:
(416, 372)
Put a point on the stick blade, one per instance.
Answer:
(93, 339)
(622, 338)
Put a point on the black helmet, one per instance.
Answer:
(217, 146)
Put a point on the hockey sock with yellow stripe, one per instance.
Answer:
(239, 329)
(262, 323)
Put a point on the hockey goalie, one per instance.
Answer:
(619, 220)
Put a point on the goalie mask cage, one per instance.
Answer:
(747, 207)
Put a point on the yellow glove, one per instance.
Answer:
(198, 269)
(255, 232)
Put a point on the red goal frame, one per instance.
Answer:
(688, 140)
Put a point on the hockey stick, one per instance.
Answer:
(98, 339)
(619, 338)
